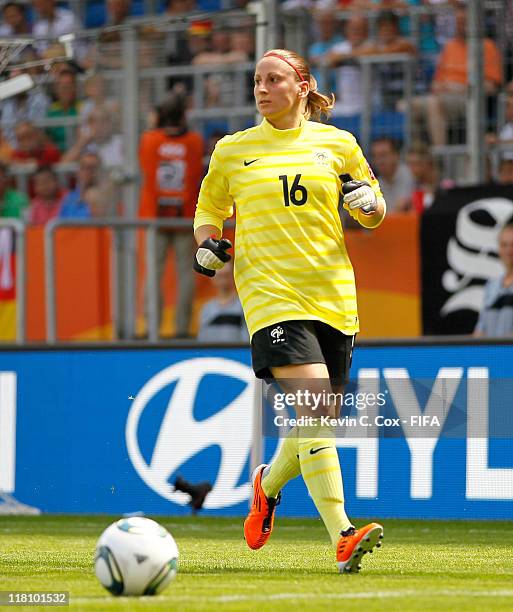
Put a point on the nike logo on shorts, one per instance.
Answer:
(248, 163)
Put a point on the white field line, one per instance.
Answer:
(300, 596)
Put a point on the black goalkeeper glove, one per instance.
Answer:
(358, 194)
(211, 256)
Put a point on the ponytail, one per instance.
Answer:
(317, 103)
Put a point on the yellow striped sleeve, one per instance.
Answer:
(215, 204)
(358, 167)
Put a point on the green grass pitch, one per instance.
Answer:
(423, 565)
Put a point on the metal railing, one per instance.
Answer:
(22, 173)
(368, 64)
(18, 228)
(118, 226)
(238, 107)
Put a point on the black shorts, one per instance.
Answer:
(301, 342)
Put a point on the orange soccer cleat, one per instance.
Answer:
(354, 543)
(259, 523)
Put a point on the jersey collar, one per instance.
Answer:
(283, 135)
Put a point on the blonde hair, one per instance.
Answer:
(317, 103)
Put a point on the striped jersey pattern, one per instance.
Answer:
(291, 260)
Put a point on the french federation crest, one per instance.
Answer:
(322, 158)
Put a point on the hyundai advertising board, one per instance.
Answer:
(108, 431)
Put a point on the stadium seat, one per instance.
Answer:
(209, 5)
(384, 123)
(388, 123)
(96, 12)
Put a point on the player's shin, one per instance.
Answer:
(285, 466)
(321, 472)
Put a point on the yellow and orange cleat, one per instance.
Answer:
(354, 544)
(259, 523)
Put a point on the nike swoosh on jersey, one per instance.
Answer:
(248, 163)
(313, 451)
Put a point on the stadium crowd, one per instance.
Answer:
(74, 113)
(61, 144)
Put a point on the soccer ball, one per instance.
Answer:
(136, 556)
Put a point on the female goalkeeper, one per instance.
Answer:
(293, 274)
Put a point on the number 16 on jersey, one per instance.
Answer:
(296, 193)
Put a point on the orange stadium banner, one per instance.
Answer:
(386, 262)
(387, 269)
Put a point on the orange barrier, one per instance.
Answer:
(387, 269)
(386, 262)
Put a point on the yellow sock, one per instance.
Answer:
(284, 468)
(320, 469)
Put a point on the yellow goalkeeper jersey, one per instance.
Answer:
(291, 260)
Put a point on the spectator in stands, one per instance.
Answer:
(180, 7)
(349, 98)
(506, 171)
(52, 21)
(388, 39)
(221, 88)
(505, 135)
(59, 63)
(182, 46)
(94, 89)
(199, 37)
(445, 22)
(15, 22)
(107, 52)
(31, 105)
(242, 45)
(171, 164)
(326, 38)
(434, 29)
(98, 137)
(425, 24)
(423, 168)
(395, 178)
(12, 203)
(496, 316)
(219, 51)
(242, 49)
(390, 75)
(66, 105)
(176, 45)
(118, 11)
(222, 318)
(27, 55)
(94, 199)
(33, 146)
(448, 100)
(46, 203)
(74, 205)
